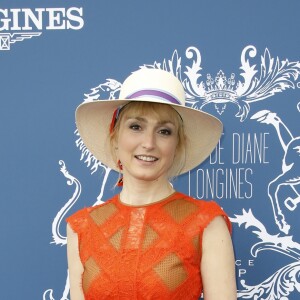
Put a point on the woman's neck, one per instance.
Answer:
(145, 192)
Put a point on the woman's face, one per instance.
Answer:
(146, 147)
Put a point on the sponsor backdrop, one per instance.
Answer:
(238, 60)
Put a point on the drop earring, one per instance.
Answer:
(120, 180)
(120, 166)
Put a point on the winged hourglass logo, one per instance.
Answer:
(6, 39)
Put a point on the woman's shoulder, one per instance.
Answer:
(202, 204)
(80, 218)
(206, 210)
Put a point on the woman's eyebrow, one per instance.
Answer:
(141, 119)
(166, 122)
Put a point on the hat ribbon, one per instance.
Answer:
(158, 94)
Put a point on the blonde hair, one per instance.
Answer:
(162, 112)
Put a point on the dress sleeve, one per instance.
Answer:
(79, 221)
(213, 210)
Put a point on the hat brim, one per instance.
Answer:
(93, 119)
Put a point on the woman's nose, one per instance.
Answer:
(149, 140)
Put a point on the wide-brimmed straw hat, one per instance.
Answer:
(93, 118)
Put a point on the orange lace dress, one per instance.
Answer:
(143, 252)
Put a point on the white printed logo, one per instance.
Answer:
(18, 24)
(273, 76)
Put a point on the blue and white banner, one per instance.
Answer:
(238, 60)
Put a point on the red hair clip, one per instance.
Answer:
(114, 119)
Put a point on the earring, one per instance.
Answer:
(120, 165)
(120, 180)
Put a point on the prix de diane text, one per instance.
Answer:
(230, 173)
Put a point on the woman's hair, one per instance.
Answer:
(163, 112)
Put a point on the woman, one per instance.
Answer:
(149, 242)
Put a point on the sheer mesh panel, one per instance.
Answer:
(101, 214)
(149, 238)
(116, 238)
(196, 243)
(171, 271)
(180, 209)
(91, 271)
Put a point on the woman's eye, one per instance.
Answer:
(135, 127)
(165, 131)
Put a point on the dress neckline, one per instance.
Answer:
(148, 204)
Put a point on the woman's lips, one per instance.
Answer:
(146, 158)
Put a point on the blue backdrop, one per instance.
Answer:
(238, 60)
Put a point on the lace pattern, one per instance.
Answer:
(148, 252)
